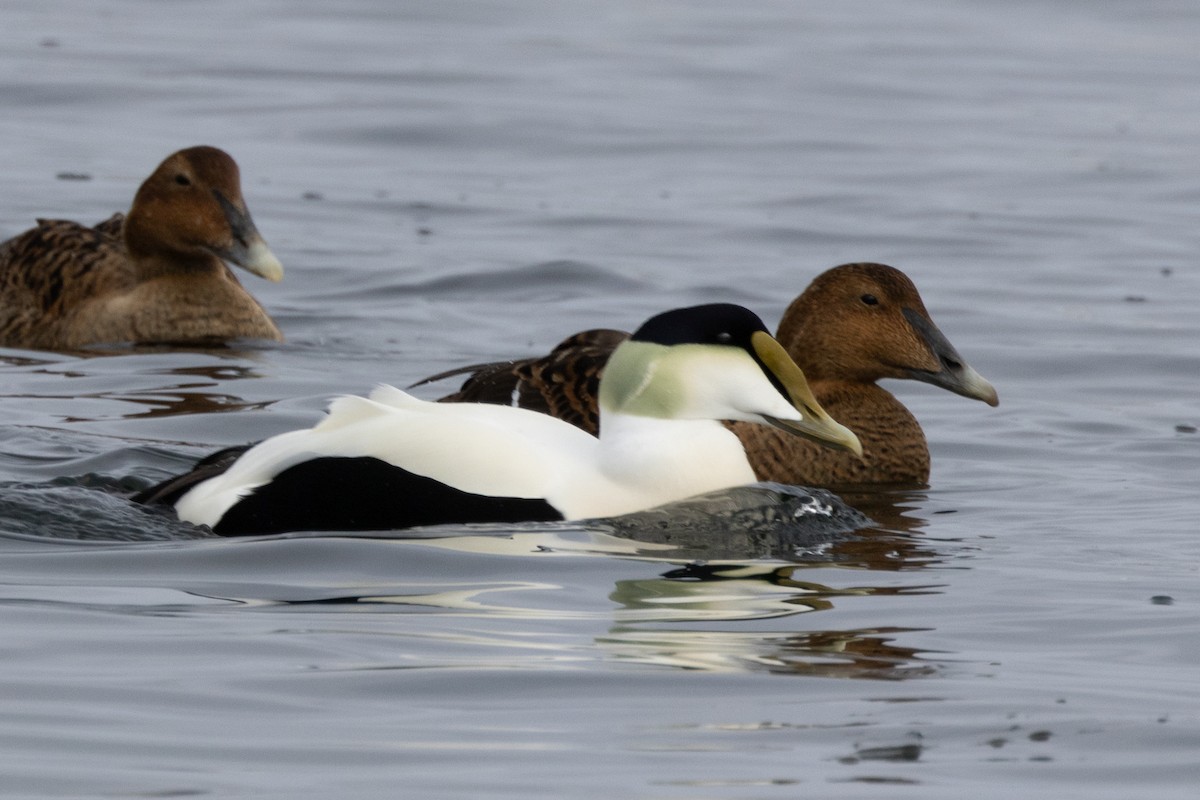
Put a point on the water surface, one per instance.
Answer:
(453, 182)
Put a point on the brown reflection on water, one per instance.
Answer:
(891, 509)
(215, 372)
(884, 550)
(168, 403)
(895, 541)
(867, 653)
(13, 360)
(189, 396)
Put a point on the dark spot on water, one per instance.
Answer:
(1162, 600)
(884, 780)
(913, 699)
(49, 42)
(313, 196)
(424, 231)
(1164, 718)
(1041, 758)
(1040, 736)
(73, 176)
(1166, 272)
(1185, 428)
(903, 752)
(998, 742)
(1135, 298)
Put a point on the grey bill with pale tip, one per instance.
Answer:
(956, 375)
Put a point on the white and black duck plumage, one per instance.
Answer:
(391, 461)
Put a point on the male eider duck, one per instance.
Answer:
(853, 325)
(391, 461)
(154, 275)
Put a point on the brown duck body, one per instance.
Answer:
(854, 325)
(156, 275)
(894, 446)
(564, 383)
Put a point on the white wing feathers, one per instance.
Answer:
(483, 449)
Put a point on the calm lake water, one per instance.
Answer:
(451, 182)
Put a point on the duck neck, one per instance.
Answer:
(670, 459)
(153, 259)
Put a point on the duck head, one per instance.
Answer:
(191, 209)
(863, 322)
(715, 362)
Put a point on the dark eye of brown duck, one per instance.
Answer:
(724, 337)
(183, 180)
(869, 299)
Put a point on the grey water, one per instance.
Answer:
(453, 182)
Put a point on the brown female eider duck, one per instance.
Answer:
(154, 275)
(853, 325)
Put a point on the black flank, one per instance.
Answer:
(363, 493)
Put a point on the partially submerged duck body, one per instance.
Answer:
(393, 461)
(853, 325)
(154, 275)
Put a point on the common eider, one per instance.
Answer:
(391, 461)
(154, 275)
(852, 326)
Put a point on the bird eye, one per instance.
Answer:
(183, 180)
(724, 337)
(870, 299)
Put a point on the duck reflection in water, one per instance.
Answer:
(190, 390)
(867, 653)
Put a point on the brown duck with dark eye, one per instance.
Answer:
(154, 275)
(853, 325)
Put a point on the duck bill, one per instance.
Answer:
(955, 375)
(247, 248)
(815, 423)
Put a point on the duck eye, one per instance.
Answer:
(724, 337)
(870, 299)
(183, 180)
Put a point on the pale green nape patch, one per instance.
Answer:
(660, 381)
(630, 370)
